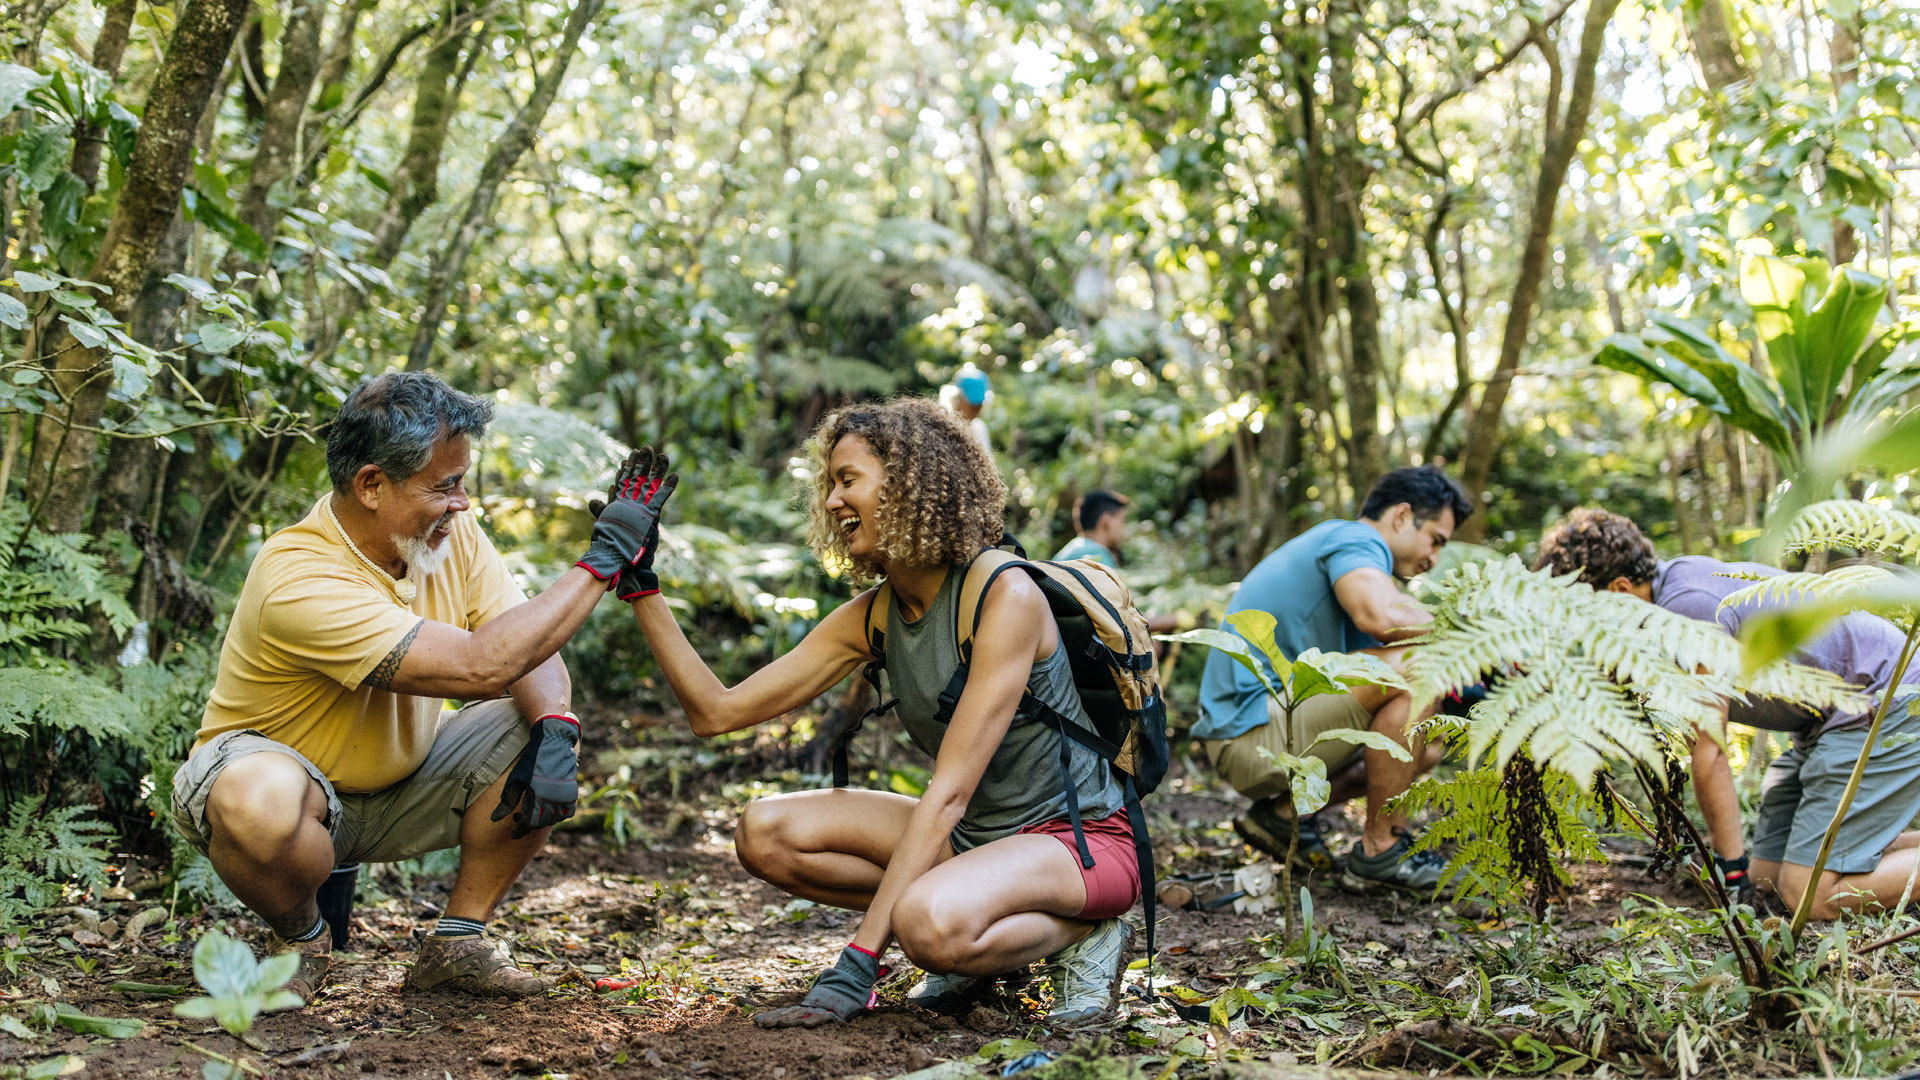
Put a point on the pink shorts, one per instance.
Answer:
(1113, 882)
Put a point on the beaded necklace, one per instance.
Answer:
(403, 588)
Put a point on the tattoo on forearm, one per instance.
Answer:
(381, 677)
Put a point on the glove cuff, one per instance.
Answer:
(567, 716)
(864, 952)
(597, 575)
(638, 593)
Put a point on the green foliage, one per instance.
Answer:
(1834, 362)
(1474, 814)
(1804, 606)
(238, 986)
(46, 851)
(1578, 676)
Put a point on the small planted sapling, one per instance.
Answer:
(238, 987)
(1289, 682)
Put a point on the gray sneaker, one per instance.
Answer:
(1399, 867)
(948, 993)
(1086, 979)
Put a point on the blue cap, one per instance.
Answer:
(973, 384)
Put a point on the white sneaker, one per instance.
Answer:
(1086, 978)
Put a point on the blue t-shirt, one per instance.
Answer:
(1082, 548)
(1295, 585)
(1861, 648)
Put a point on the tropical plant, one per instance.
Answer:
(1576, 681)
(1832, 357)
(1292, 682)
(238, 986)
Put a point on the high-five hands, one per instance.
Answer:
(627, 527)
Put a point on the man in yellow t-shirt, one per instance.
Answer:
(325, 743)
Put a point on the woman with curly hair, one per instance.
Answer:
(978, 876)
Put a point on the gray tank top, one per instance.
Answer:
(1022, 785)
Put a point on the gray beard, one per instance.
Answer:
(423, 559)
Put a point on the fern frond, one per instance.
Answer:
(1851, 523)
(43, 851)
(63, 699)
(1470, 811)
(1580, 676)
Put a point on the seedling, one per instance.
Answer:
(239, 987)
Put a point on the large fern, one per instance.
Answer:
(43, 852)
(1578, 676)
(1851, 523)
(1474, 814)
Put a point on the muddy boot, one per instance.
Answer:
(475, 964)
(315, 957)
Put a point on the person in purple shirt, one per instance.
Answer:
(1873, 855)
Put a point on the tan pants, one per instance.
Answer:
(419, 814)
(1239, 762)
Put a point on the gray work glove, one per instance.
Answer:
(842, 992)
(622, 530)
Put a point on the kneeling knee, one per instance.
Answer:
(931, 936)
(261, 801)
(758, 841)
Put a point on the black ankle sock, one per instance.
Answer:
(319, 927)
(454, 926)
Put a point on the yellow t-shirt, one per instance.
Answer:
(313, 620)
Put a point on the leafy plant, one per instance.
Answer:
(239, 987)
(1833, 362)
(44, 852)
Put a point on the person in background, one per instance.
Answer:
(1874, 853)
(1334, 588)
(967, 397)
(1101, 520)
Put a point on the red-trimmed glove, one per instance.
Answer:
(543, 785)
(840, 993)
(622, 528)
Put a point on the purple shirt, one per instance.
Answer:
(1862, 649)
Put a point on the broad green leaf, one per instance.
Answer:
(112, 1027)
(1233, 645)
(1628, 353)
(1835, 333)
(16, 83)
(86, 333)
(1257, 627)
(221, 337)
(1372, 739)
(12, 312)
(131, 378)
(1771, 636)
(193, 286)
(1352, 669)
(225, 967)
(1306, 779)
(1766, 281)
(64, 1065)
(274, 972)
(1749, 402)
(31, 282)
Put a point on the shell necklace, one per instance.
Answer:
(403, 588)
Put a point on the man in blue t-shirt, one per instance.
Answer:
(1100, 521)
(1333, 588)
(1874, 852)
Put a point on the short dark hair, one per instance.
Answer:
(1095, 505)
(392, 422)
(1423, 487)
(1600, 545)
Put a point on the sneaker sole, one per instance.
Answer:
(1110, 1017)
(1265, 842)
(1363, 886)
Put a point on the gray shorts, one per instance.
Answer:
(1241, 764)
(419, 814)
(1803, 787)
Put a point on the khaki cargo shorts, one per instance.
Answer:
(419, 814)
(1239, 762)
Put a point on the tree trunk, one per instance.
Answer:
(504, 155)
(278, 150)
(162, 157)
(1843, 49)
(109, 48)
(1563, 138)
(1347, 178)
(1710, 29)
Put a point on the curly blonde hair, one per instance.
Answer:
(941, 502)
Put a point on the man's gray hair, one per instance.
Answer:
(392, 422)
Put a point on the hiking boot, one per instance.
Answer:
(949, 993)
(315, 957)
(1086, 979)
(476, 964)
(1268, 832)
(1399, 867)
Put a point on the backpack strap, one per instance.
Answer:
(879, 602)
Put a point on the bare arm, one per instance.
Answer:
(439, 659)
(823, 658)
(1378, 607)
(1014, 631)
(546, 689)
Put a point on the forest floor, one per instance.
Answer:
(705, 945)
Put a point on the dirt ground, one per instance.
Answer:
(706, 945)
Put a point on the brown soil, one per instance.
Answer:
(709, 945)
